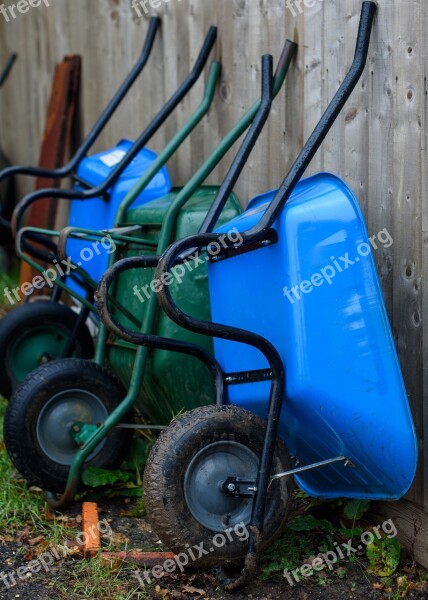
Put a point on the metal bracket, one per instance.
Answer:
(317, 465)
(233, 487)
(271, 237)
(82, 432)
(248, 377)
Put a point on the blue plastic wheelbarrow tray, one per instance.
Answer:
(344, 389)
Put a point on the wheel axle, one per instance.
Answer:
(237, 487)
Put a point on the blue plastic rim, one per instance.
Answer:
(316, 296)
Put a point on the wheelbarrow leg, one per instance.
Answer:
(262, 484)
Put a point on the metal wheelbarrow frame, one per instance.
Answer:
(89, 435)
(356, 471)
(30, 241)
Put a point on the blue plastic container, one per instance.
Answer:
(99, 213)
(344, 389)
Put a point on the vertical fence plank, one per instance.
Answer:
(408, 102)
(423, 399)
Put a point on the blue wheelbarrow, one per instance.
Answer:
(308, 380)
(38, 332)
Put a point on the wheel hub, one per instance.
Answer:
(204, 480)
(25, 356)
(57, 418)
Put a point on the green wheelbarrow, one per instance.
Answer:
(71, 414)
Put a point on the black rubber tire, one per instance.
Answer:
(24, 409)
(164, 476)
(24, 318)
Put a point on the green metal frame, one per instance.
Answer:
(132, 195)
(166, 238)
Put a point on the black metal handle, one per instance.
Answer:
(99, 126)
(246, 148)
(8, 68)
(201, 240)
(314, 142)
(147, 134)
(152, 261)
(102, 121)
(223, 194)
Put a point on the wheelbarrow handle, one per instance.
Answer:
(256, 115)
(102, 121)
(147, 134)
(7, 69)
(313, 144)
(160, 161)
(247, 145)
(221, 198)
(288, 53)
(201, 240)
(97, 129)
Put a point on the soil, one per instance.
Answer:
(134, 533)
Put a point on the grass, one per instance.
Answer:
(18, 505)
(101, 579)
(23, 509)
(316, 527)
(7, 280)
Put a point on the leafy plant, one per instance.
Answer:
(310, 523)
(384, 556)
(124, 483)
(356, 509)
(94, 477)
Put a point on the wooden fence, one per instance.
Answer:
(378, 145)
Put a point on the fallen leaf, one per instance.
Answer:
(162, 593)
(35, 541)
(113, 563)
(42, 547)
(119, 539)
(63, 518)
(6, 538)
(47, 514)
(192, 590)
(28, 556)
(23, 535)
(378, 586)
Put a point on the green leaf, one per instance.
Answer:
(350, 533)
(309, 523)
(94, 477)
(355, 509)
(136, 492)
(269, 570)
(138, 454)
(384, 556)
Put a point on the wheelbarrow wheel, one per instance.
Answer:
(184, 475)
(33, 334)
(44, 409)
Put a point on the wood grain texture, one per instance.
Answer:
(411, 524)
(378, 144)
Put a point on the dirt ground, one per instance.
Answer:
(76, 579)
